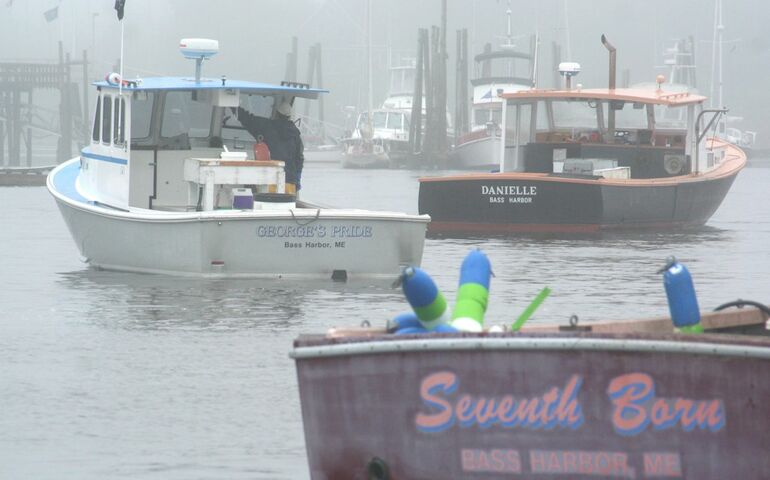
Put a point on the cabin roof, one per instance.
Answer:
(636, 95)
(501, 54)
(187, 83)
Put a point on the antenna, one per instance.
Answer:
(509, 13)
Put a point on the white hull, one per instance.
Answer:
(323, 156)
(365, 160)
(479, 154)
(302, 242)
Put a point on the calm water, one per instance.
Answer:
(108, 375)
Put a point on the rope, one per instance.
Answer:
(302, 224)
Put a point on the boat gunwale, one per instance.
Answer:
(704, 344)
(160, 216)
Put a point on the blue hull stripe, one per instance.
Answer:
(104, 158)
(64, 182)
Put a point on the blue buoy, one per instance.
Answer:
(411, 330)
(403, 320)
(425, 298)
(682, 302)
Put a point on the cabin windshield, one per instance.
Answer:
(507, 67)
(397, 121)
(627, 114)
(141, 116)
(186, 112)
(670, 117)
(379, 120)
(575, 113)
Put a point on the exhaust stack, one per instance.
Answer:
(610, 107)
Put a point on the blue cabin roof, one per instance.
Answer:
(187, 83)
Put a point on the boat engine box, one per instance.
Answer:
(243, 199)
(587, 166)
(577, 166)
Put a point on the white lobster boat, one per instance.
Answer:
(168, 184)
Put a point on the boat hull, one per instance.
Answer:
(529, 406)
(476, 154)
(510, 203)
(304, 242)
(365, 160)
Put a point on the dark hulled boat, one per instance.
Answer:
(611, 400)
(580, 160)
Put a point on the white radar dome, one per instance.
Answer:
(198, 48)
(569, 69)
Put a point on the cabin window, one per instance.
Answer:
(96, 135)
(670, 117)
(542, 123)
(141, 114)
(107, 119)
(379, 119)
(506, 67)
(626, 116)
(120, 117)
(186, 113)
(570, 114)
(518, 129)
(395, 121)
(483, 116)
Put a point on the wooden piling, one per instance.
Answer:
(462, 100)
(415, 126)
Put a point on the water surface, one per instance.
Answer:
(109, 375)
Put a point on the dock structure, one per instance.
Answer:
(314, 127)
(462, 99)
(315, 78)
(428, 129)
(20, 116)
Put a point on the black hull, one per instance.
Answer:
(511, 203)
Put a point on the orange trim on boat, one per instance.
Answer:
(637, 95)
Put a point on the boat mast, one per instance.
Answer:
(567, 32)
(509, 39)
(369, 66)
(509, 13)
(716, 56)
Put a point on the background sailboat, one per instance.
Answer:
(366, 147)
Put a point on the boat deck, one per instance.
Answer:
(746, 327)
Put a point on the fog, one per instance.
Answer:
(255, 37)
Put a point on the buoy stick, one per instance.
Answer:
(530, 309)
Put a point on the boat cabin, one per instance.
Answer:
(612, 133)
(504, 70)
(384, 124)
(175, 143)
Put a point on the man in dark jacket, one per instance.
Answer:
(282, 137)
